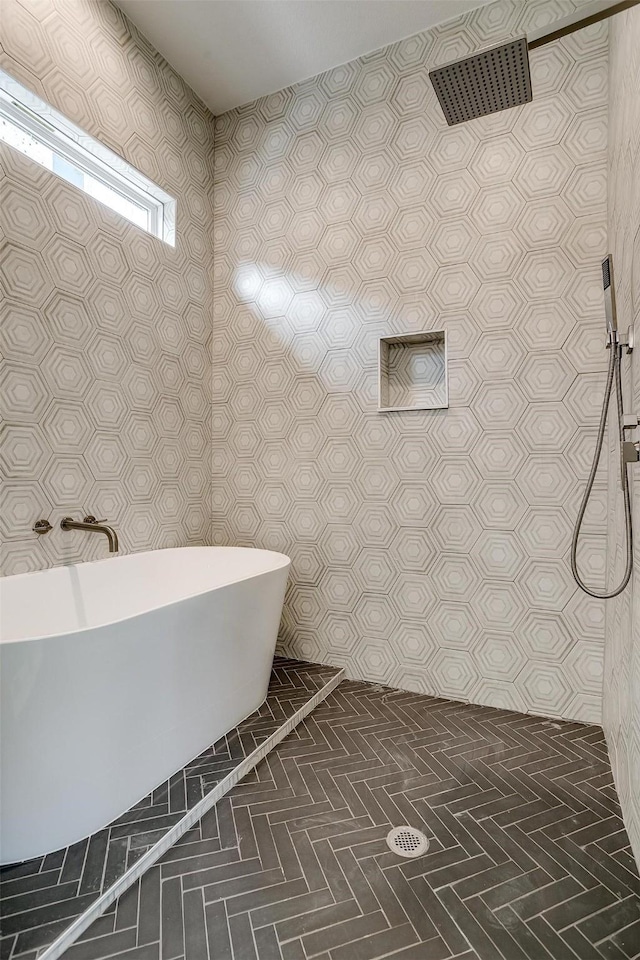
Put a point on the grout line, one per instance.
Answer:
(84, 921)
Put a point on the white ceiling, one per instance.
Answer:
(233, 51)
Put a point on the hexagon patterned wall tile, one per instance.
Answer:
(430, 548)
(621, 708)
(106, 369)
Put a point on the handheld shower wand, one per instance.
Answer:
(609, 300)
(614, 345)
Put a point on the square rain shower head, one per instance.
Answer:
(489, 81)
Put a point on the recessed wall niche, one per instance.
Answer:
(412, 372)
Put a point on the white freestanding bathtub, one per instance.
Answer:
(116, 673)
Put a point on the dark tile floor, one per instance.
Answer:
(40, 898)
(529, 859)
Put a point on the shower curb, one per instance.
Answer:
(178, 830)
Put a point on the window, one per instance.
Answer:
(37, 130)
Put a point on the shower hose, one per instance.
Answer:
(615, 363)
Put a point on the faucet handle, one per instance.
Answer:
(42, 526)
(92, 519)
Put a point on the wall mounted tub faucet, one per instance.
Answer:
(93, 526)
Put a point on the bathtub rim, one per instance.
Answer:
(284, 562)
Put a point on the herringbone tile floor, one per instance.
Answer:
(41, 897)
(529, 859)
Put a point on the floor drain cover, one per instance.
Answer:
(407, 842)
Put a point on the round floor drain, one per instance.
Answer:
(407, 842)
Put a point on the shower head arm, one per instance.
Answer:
(584, 16)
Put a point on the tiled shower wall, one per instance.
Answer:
(430, 549)
(621, 708)
(106, 330)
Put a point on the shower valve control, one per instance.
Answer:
(630, 451)
(628, 340)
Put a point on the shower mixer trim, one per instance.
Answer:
(627, 340)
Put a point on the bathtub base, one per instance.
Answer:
(296, 688)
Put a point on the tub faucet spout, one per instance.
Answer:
(93, 526)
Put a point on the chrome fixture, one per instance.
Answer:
(629, 450)
(499, 78)
(42, 526)
(93, 526)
